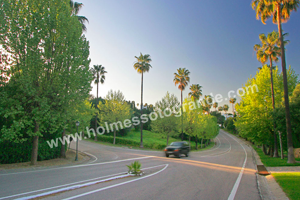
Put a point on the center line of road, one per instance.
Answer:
(238, 180)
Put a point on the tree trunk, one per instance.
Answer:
(96, 119)
(167, 139)
(141, 144)
(35, 145)
(281, 149)
(196, 141)
(114, 137)
(291, 158)
(273, 105)
(201, 142)
(181, 118)
(265, 149)
(63, 146)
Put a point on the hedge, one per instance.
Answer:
(21, 152)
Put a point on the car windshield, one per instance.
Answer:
(176, 144)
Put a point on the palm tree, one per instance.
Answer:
(225, 108)
(181, 79)
(280, 11)
(99, 77)
(220, 108)
(196, 91)
(206, 103)
(75, 10)
(269, 49)
(142, 65)
(215, 105)
(232, 101)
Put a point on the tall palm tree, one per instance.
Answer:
(280, 11)
(225, 108)
(181, 79)
(269, 49)
(142, 65)
(232, 101)
(215, 105)
(75, 10)
(99, 77)
(196, 91)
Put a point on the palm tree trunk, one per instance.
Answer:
(141, 144)
(181, 118)
(96, 118)
(291, 158)
(273, 105)
(35, 145)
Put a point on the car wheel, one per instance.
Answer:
(179, 155)
(186, 155)
(167, 155)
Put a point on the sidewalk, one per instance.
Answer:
(268, 188)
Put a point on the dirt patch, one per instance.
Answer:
(70, 159)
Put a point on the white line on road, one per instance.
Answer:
(112, 186)
(219, 154)
(69, 184)
(76, 166)
(238, 180)
(92, 156)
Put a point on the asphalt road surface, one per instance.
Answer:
(225, 171)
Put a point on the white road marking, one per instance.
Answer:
(238, 180)
(112, 186)
(69, 184)
(219, 154)
(92, 156)
(76, 166)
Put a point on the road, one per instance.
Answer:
(225, 171)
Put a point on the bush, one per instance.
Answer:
(21, 152)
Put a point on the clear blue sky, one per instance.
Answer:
(213, 39)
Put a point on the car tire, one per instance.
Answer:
(167, 155)
(179, 155)
(186, 155)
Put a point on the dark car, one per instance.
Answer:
(177, 148)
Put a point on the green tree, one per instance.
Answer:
(142, 65)
(75, 10)
(115, 112)
(99, 77)
(41, 67)
(255, 120)
(196, 91)
(280, 11)
(181, 79)
(167, 124)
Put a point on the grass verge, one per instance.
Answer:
(270, 161)
(151, 141)
(289, 182)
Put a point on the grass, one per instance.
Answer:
(290, 183)
(152, 138)
(272, 162)
(267, 160)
